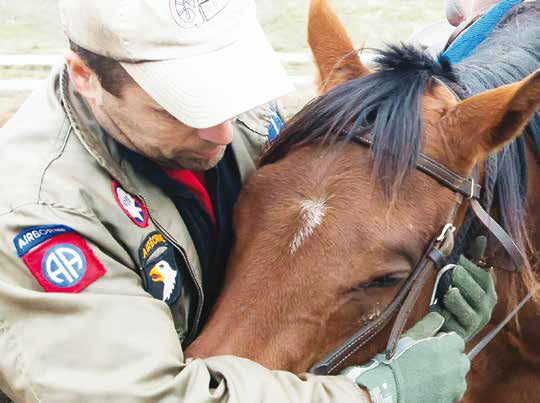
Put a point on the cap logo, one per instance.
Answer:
(194, 13)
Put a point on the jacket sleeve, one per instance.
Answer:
(113, 341)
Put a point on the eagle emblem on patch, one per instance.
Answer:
(163, 273)
(194, 13)
(159, 269)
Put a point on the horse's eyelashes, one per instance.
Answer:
(390, 280)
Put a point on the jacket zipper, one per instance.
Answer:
(191, 335)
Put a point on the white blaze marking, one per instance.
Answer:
(311, 215)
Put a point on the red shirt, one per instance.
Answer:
(196, 183)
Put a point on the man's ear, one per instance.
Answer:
(484, 123)
(84, 79)
(334, 54)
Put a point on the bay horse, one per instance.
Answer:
(327, 230)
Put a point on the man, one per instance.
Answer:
(459, 11)
(460, 14)
(120, 175)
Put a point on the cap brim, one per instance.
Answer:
(211, 88)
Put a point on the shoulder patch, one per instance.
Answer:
(130, 205)
(159, 269)
(150, 244)
(33, 236)
(276, 124)
(63, 263)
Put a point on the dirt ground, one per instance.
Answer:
(33, 27)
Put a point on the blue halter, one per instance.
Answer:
(464, 45)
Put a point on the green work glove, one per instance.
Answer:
(469, 302)
(425, 368)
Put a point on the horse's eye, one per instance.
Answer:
(390, 280)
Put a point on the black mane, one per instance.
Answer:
(386, 104)
(511, 53)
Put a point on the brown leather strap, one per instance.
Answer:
(464, 186)
(434, 256)
(403, 316)
(471, 190)
(457, 183)
(502, 236)
(434, 260)
(332, 361)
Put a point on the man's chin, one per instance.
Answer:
(192, 163)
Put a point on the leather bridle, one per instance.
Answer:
(433, 259)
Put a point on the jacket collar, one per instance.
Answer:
(97, 142)
(106, 152)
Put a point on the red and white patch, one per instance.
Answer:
(130, 205)
(64, 263)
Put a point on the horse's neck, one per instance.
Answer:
(533, 198)
(524, 333)
(531, 315)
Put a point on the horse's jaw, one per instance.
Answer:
(283, 346)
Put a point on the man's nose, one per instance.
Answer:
(221, 134)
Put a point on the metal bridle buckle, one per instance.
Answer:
(446, 268)
(471, 194)
(444, 232)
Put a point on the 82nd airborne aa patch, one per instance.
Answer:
(59, 259)
(159, 270)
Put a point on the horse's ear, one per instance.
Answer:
(484, 123)
(335, 56)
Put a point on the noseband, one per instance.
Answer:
(433, 259)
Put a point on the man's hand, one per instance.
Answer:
(431, 367)
(425, 367)
(469, 302)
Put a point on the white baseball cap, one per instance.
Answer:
(204, 61)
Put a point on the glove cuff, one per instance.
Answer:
(380, 383)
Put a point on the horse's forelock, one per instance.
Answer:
(385, 105)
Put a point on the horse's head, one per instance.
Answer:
(326, 230)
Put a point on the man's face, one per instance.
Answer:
(138, 122)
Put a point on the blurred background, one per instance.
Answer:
(31, 38)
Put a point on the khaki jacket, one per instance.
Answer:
(112, 341)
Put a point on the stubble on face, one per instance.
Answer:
(158, 136)
(188, 162)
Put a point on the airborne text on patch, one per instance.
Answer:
(150, 243)
(30, 237)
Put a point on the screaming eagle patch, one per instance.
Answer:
(159, 269)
